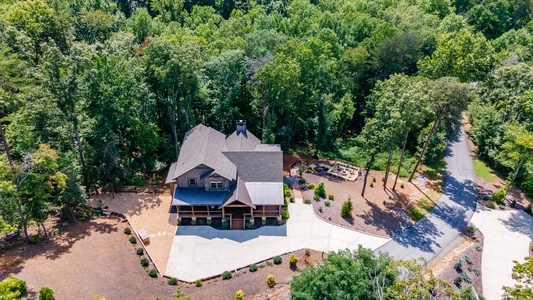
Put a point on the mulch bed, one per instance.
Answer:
(474, 251)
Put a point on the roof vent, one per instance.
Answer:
(241, 127)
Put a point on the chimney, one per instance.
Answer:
(241, 127)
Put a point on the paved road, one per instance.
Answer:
(507, 235)
(201, 251)
(452, 213)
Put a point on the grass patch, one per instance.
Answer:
(483, 171)
(420, 210)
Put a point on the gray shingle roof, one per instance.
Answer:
(170, 175)
(258, 166)
(203, 145)
(241, 194)
(244, 141)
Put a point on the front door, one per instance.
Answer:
(237, 216)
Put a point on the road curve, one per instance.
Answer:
(450, 216)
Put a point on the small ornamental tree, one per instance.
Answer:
(346, 210)
(271, 281)
(499, 195)
(293, 260)
(46, 293)
(239, 295)
(320, 190)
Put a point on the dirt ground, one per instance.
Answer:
(85, 259)
(149, 212)
(466, 244)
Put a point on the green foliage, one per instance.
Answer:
(490, 204)
(252, 268)
(346, 210)
(225, 224)
(471, 228)
(499, 196)
(145, 262)
(311, 186)
(249, 224)
(153, 273)
(199, 283)
(331, 197)
(239, 295)
(467, 293)
(140, 251)
(287, 193)
(316, 198)
(482, 170)
(458, 264)
(271, 281)
(285, 214)
(133, 240)
(277, 260)
(528, 209)
(320, 190)
(12, 288)
(327, 203)
(307, 201)
(127, 230)
(226, 275)
(46, 293)
(36, 239)
(468, 259)
(522, 273)
(172, 281)
(293, 260)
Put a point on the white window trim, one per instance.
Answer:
(191, 179)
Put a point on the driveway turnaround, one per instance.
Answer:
(507, 235)
(201, 251)
(444, 223)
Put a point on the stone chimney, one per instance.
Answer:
(241, 127)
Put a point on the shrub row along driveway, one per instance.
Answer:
(507, 235)
(201, 251)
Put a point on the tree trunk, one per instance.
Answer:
(23, 219)
(368, 166)
(514, 175)
(44, 230)
(387, 170)
(401, 159)
(6, 146)
(82, 159)
(430, 135)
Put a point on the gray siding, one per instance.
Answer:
(194, 173)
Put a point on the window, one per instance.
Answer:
(216, 185)
(192, 181)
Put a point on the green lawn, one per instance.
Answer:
(420, 210)
(483, 171)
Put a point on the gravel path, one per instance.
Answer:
(451, 214)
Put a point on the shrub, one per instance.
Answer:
(513, 204)
(477, 272)
(226, 275)
(127, 230)
(145, 262)
(307, 201)
(402, 185)
(271, 281)
(252, 268)
(285, 214)
(133, 240)
(225, 224)
(301, 181)
(501, 206)
(490, 204)
(293, 260)
(346, 210)
(311, 186)
(268, 264)
(307, 252)
(321, 209)
(173, 281)
(327, 203)
(468, 259)
(479, 247)
(471, 228)
(291, 199)
(239, 295)
(287, 193)
(316, 198)
(467, 293)
(528, 209)
(458, 280)
(466, 278)
(46, 293)
(36, 239)
(277, 260)
(499, 195)
(249, 224)
(285, 202)
(193, 222)
(153, 273)
(198, 283)
(140, 251)
(209, 222)
(458, 265)
(331, 197)
(373, 179)
(320, 190)
(263, 222)
(371, 184)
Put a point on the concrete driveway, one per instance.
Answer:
(200, 251)
(507, 235)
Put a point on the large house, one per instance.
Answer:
(235, 178)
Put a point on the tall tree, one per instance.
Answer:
(516, 151)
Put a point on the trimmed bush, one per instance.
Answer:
(293, 260)
(153, 273)
(252, 268)
(277, 260)
(402, 185)
(285, 214)
(145, 262)
(321, 209)
(307, 201)
(36, 239)
(225, 224)
(209, 222)
(458, 265)
(140, 251)
(346, 210)
(172, 281)
(263, 222)
(513, 204)
(490, 204)
(479, 247)
(291, 199)
(331, 197)
(471, 228)
(373, 179)
(499, 196)
(46, 293)
(226, 275)
(239, 295)
(316, 198)
(320, 190)
(307, 252)
(285, 202)
(528, 209)
(458, 280)
(287, 193)
(466, 278)
(371, 184)
(199, 283)
(249, 224)
(327, 203)
(311, 186)
(133, 240)
(468, 259)
(271, 281)
(127, 230)
(301, 181)
(467, 293)
(193, 222)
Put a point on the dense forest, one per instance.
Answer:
(101, 92)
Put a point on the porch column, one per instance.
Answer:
(192, 210)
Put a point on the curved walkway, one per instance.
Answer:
(200, 251)
(506, 235)
(451, 214)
